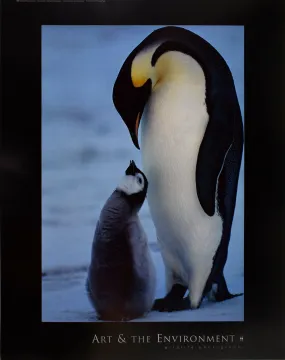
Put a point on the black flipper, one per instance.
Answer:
(225, 129)
(217, 140)
(227, 191)
(173, 301)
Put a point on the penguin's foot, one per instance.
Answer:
(166, 305)
(173, 301)
(223, 297)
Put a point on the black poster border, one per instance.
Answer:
(22, 331)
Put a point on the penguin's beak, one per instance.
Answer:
(133, 166)
(131, 170)
(136, 132)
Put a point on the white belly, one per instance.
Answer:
(171, 135)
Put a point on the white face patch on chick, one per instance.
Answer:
(132, 184)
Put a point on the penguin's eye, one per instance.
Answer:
(139, 179)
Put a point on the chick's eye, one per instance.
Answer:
(139, 179)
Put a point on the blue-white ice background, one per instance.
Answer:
(85, 149)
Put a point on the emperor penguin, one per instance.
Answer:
(121, 276)
(182, 93)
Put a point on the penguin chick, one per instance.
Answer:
(121, 276)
